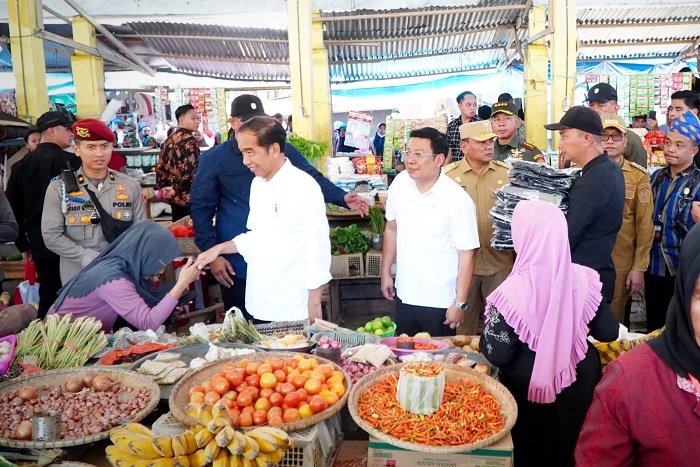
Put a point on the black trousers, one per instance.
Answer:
(178, 212)
(658, 291)
(48, 272)
(412, 319)
(235, 296)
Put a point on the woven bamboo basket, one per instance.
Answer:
(179, 397)
(453, 374)
(610, 351)
(59, 377)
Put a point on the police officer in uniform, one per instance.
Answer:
(480, 175)
(633, 242)
(72, 223)
(505, 123)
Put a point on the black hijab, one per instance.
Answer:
(676, 345)
(143, 250)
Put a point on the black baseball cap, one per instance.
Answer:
(506, 107)
(52, 119)
(247, 106)
(602, 92)
(581, 118)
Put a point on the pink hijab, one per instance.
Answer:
(547, 299)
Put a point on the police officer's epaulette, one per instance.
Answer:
(450, 166)
(502, 164)
(528, 146)
(637, 166)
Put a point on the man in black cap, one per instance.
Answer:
(178, 161)
(603, 99)
(221, 189)
(597, 197)
(25, 192)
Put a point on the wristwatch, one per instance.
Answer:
(461, 305)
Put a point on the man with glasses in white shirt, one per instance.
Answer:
(432, 234)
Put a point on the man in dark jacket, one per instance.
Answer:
(221, 189)
(597, 197)
(25, 192)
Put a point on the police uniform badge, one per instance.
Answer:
(122, 196)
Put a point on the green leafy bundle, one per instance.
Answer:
(312, 150)
(376, 219)
(348, 240)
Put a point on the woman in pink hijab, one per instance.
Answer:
(536, 327)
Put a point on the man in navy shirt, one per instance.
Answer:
(221, 189)
(597, 197)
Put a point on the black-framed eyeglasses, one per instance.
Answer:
(615, 137)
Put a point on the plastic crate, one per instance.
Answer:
(344, 266)
(308, 445)
(373, 264)
(282, 328)
(347, 338)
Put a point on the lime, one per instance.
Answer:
(361, 329)
(369, 327)
(379, 331)
(386, 321)
(377, 322)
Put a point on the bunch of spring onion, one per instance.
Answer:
(60, 342)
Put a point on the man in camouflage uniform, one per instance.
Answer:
(633, 243)
(505, 123)
(480, 175)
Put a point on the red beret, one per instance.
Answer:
(91, 129)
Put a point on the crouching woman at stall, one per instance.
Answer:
(646, 409)
(119, 282)
(536, 328)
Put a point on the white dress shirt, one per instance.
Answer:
(287, 247)
(431, 229)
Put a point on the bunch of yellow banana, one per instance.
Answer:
(137, 446)
(212, 441)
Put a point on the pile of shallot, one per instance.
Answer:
(88, 405)
(356, 370)
(327, 343)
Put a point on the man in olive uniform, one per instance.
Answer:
(480, 175)
(633, 243)
(505, 123)
(71, 223)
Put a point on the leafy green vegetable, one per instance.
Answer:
(347, 240)
(376, 219)
(312, 150)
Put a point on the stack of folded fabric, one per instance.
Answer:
(528, 180)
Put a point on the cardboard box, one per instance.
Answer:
(382, 454)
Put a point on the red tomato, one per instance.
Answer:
(276, 399)
(267, 380)
(292, 400)
(266, 393)
(220, 385)
(274, 420)
(236, 376)
(252, 368)
(245, 419)
(228, 367)
(262, 404)
(244, 399)
(291, 415)
(264, 368)
(303, 394)
(211, 397)
(277, 364)
(280, 375)
(286, 388)
(253, 380)
(253, 391)
(318, 404)
(250, 409)
(259, 417)
(274, 412)
(194, 389)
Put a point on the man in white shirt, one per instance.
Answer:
(432, 233)
(287, 246)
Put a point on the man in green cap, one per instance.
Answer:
(505, 123)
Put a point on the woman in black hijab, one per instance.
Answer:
(646, 409)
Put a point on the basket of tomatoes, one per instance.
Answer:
(283, 389)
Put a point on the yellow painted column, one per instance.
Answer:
(536, 67)
(28, 62)
(88, 72)
(562, 18)
(308, 64)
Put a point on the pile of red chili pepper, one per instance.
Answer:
(467, 414)
(423, 369)
(416, 345)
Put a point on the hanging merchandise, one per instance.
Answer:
(8, 104)
(528, 181)
(358, 130)
(397, 135)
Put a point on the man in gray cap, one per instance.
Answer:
(25, 192)
(597, 197)
(603, 99)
